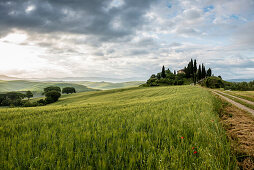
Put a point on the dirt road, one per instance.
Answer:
(244, 100)
(240, 106)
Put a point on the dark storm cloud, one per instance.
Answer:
(89, 17)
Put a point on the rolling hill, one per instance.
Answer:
(80, 86)
(37, 87)
(175, 127)
(4, 77)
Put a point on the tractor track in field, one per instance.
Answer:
(240, 106)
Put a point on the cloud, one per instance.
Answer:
(186, 31)
(79, 16)
(192, 14)
(125, 38)
(244, 36)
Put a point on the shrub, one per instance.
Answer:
(41, 102)
(18, 102)
(6, 102)
(30, 104)
(152, 82)
(213, 82)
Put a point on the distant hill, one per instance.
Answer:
(240, 80)
(109, 85)
(81, 86)
(37, 87)
(75, 79)
(92, 79)
(4, 77)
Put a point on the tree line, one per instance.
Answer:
(217, 82)
(52, 94)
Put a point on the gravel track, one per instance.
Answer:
(240, 106)
(244, 100)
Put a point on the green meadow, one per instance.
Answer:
(173, 127)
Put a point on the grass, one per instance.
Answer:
(240, 129)
(135, 128)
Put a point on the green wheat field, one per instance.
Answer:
(173, 127)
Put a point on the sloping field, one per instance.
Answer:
(110, 85)
(137, 128)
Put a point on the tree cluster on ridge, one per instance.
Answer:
(190, 74)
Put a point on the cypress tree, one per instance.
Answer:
(174, 72)
(203, 71)
(191, 68)
(199, 73)
(195, 78)
(195, 71)
(209, 72)
(163, 74)
(188, 71)
(195, 67)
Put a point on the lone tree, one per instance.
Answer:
(29, 94)
(68, 90)
(52, 96)
(163, 74)
(51, 88)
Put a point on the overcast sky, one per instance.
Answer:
(125, 38)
